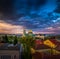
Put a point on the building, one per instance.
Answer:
(50, 43)
(30, 33)
(9, 52)
(39, 36)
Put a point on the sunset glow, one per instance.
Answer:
(40, 16)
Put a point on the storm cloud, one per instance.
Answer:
(38, 15)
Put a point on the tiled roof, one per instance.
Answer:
(39, 41)
(41, 46)
(54, 41)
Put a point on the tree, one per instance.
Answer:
(5, 39)
(28, 43)
(15, 40)
(10, 39)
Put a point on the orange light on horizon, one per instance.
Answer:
(10, 29)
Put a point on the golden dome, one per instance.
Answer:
(30, 31)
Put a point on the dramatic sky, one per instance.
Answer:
(41, 16)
